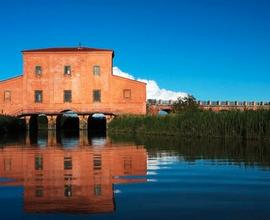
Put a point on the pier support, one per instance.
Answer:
(109, 118)
(27, 122)
(52, 122)
(83, 122)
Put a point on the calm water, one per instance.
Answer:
(77, 176)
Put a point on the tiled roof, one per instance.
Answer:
(67, 49)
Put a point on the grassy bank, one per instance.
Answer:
(10, 124)
(247, 124)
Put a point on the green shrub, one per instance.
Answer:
(10, 124)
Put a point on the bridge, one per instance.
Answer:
(155, 106)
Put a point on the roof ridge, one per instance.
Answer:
(66, 49)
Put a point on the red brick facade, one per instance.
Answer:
(84, 73)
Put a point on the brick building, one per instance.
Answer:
(78, 79)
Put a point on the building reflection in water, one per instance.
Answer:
(76, 174)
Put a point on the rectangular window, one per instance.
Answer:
(7, 164)
(67, 70)
(97, 162)
(68, 163)
(39, 191)
(96, 70)
(38, 96)
(67, 96)
(127, 94)
(38, 70)
(7, 95)
(96, 96)
(68, 190)
(39, 162)
(97, 189)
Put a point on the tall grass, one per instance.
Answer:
(10, 124)
(246, 124)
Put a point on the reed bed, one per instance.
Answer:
(245, 124)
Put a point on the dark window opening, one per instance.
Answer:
(38, 96)
(39, 191)
(68, 190)
(68, 163)
(67, 70)
(97, 162)
(67, 177)
(96, 96)
(96, 70)
(38, 70)
(97, 189)
(38, 162)
(67, 96)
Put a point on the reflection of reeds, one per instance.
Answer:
(217, 150)
(10, 124)
(246, 124)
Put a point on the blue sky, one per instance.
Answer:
(213, 49)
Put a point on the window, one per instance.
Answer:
(127, 94)
(7, 95)
(67, 163)
(67, 96)
(38, 70)
(38, 162)
(68, 190)
(97, 162)
(96, 96)
(97, 189)
(67, 177)
(67, 70)
(39, 191)
(96, 70)
(7, 164)
(38, 96)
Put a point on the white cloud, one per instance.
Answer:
(153, 91)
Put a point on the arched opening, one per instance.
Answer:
(42, 121)
(33, 123)
(97, 124)
(68, 138)
(68, 121)
(67, 125)
(38, 122)
(164, 112)
(38, 126)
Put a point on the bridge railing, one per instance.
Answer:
(212, 103)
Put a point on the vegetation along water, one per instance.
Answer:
(246, 124)
(9, 124)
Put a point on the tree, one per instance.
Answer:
(187, 103)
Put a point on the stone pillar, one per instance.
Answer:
(109, 118)
(83, 138)
(52, 141)
(52, 122)
(83, 122)
(27, 122)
